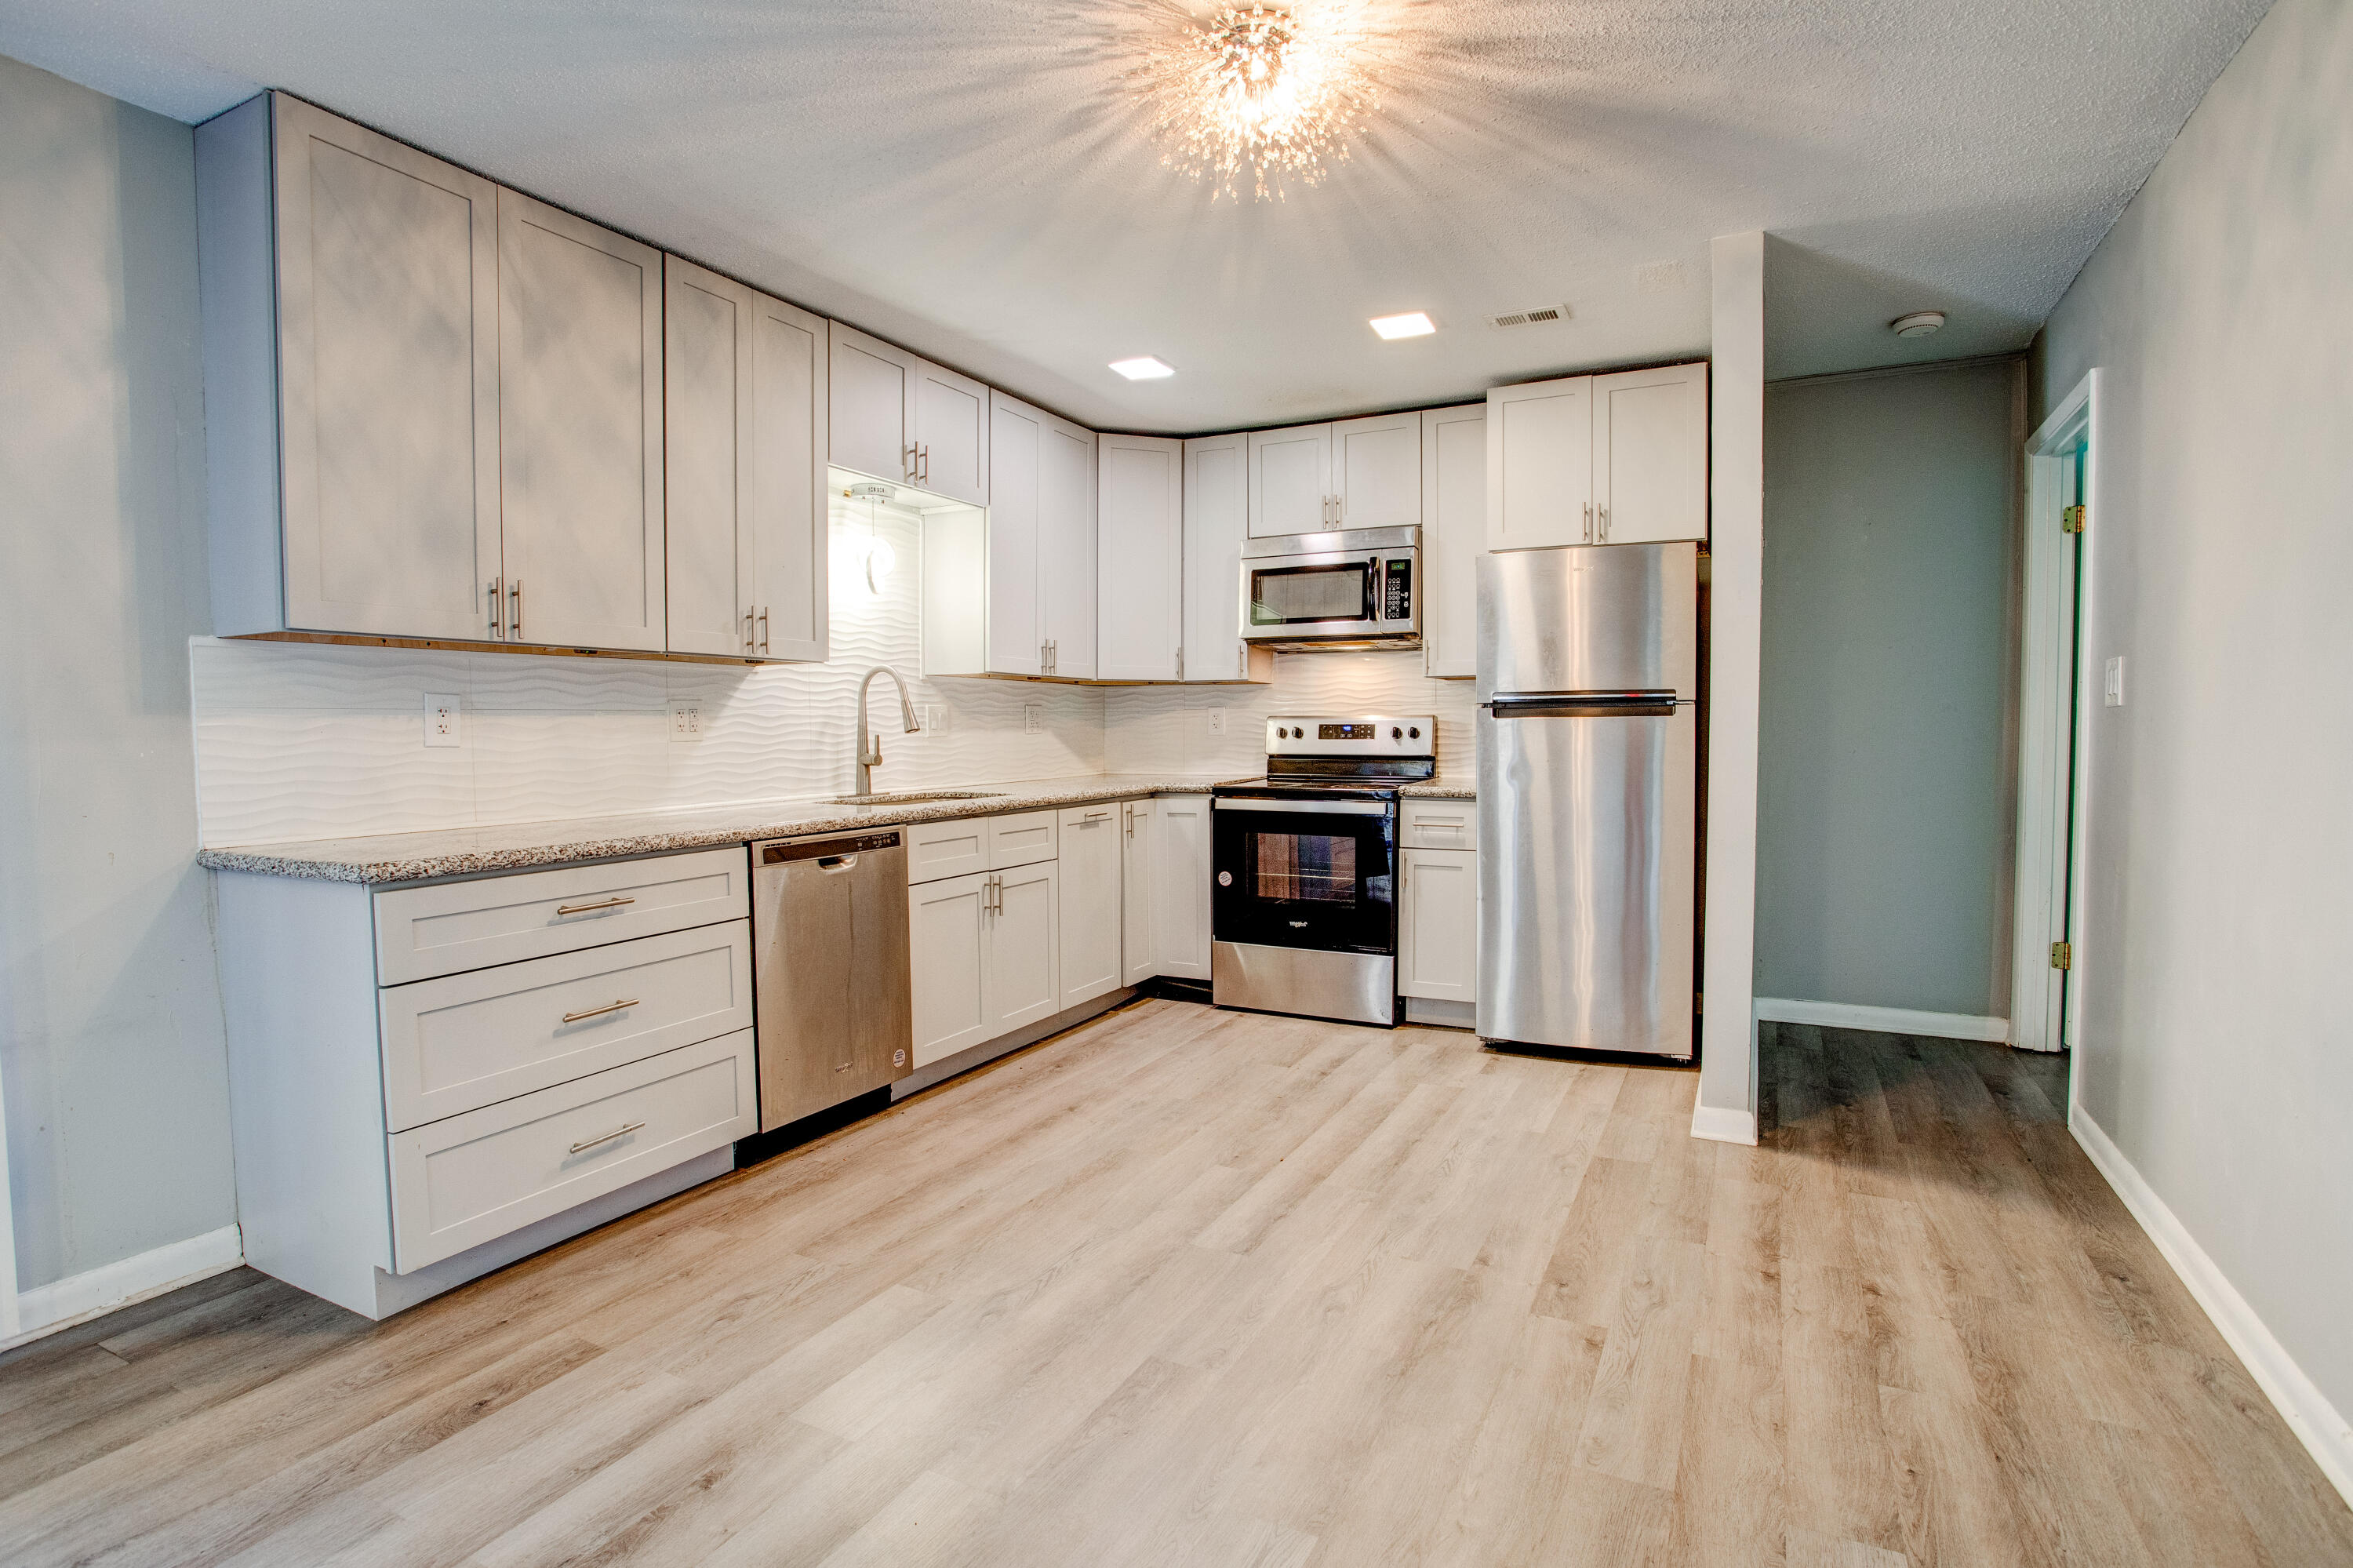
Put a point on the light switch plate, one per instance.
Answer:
(2115, 687)
(1217, 721)
(935, 718)
(1033, 718)
(685, 719)
(442, 719)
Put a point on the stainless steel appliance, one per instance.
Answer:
(1303, 910)
(1359, 588)
(829, 970)
(1587, 725)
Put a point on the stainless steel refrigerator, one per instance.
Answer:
(1589, 747)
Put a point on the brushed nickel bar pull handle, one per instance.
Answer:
(751, 643)
(616, 1132)
(1603, 513)
(601, 1011)
(613, 903)
(498, 607)
(763, 629)
(515, 616)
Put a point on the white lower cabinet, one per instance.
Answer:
(1438, 919)
(1023, 965)
(1139, 957)
(982, 957)
(1092, 850)
(1180, 924)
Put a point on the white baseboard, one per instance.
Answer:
(78, 1297)
(1883, 1019)
(2317, 1424)
(1720, 1124)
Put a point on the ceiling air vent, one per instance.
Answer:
(1536, 315)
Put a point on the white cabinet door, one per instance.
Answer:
(1438, 947)
(1012, 642)
(1453, 535)
(708, 441)
(1217, 520)
(1291, 481)
(1180, 933)
(1024, 976)
(872, 399)
(1377, 471)
(386, 426)
(1540, 464)
(951, 419)
(1067, 505)
(947, 925)
(1140, 596)
(785, 564)
(1650, 455)
(1139, 958)
(580, 429)
(1092, 847)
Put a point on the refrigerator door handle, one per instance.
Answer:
(1584, 704)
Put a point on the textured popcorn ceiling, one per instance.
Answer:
(971, 178)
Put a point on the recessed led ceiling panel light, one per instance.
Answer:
(1413, 323)
(1142, 368)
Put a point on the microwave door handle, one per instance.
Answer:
(1372, 590)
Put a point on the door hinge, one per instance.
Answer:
(2071, 520)
(2062, 955)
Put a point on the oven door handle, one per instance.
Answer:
(1315, 807)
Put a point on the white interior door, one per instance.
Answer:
(1540, 464)
(1139, 957)
(1067, 503)
(872, 398)
(1089, 931)
(1140, 596)
(786, 528)
(951, 434)
(388, 383)
(1180, 932)
(1014, 645)
(1650, 455)
(1291, 481)
(708, 440)
(1024, 963)
(580, 429)
(1453, 535)
(1217, 520)
(947, 971)
(1438, 948)
(1377, 471)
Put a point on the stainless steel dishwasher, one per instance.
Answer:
(829, 970)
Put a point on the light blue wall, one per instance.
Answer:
(1886, 760)
(111, 1041)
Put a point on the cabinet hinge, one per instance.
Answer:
(2071, 521)
(2062, 955)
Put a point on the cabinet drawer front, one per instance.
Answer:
(1023, 838)
(453, 926)
(1441, 824)
(472, 1178)
(464, 1041)
(935, 850)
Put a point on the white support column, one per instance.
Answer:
(1728, 1069)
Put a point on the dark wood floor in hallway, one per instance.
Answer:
(1193, 1288)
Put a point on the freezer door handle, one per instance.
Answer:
(1584, 705)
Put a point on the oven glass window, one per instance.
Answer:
(1315, 866)
(1285, 596)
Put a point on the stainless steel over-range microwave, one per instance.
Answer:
(1304, 592)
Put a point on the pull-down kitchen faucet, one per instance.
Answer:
(869, 744)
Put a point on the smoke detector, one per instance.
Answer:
(1919, 324)
(1534, 315)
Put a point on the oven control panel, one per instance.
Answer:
(1352, 734)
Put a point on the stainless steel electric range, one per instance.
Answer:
(1303, 912)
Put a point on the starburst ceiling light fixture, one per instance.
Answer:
(1262, 98)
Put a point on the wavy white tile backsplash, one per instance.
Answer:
(297, 740)
(1166, 729)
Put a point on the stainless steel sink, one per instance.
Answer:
(915, 797)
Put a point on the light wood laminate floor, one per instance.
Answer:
(1192, 1287)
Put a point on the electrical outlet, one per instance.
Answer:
(1033, 718)
(441, 720)
(1217, 721)
(685, 719)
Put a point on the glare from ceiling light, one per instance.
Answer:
(1144, 367)
(1919, 324)
(1413, 323)
(1263, 96)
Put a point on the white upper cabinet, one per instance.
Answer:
(1140, 631)
(1453, 535)
(1377, 471)
(899, 416)
(1540, 464)
(1291, 481)
(1010, 590)
(350, 309)
(744, 431)
(580, 430)
(1650, 455)
(1068, 502)
(1217, 520)
(951, 434)
(1013, 645)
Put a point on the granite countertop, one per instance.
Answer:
(516, 846)
(1445, 787)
